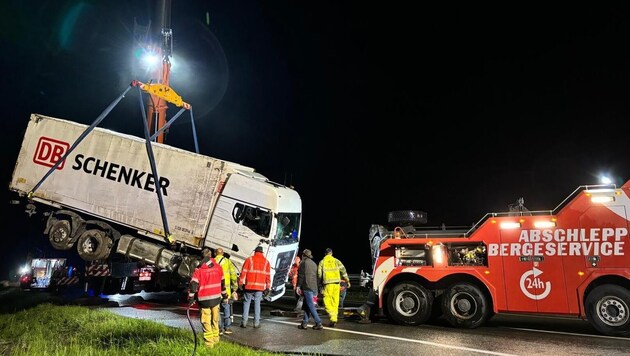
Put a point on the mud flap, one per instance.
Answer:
(362, 314)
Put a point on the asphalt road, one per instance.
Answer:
(502, 335)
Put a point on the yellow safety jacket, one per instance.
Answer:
(229, 273)
(331, 270)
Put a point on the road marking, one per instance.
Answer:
(487, 352)
(572, 334)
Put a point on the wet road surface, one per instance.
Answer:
(502, 335)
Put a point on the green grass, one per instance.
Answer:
(30, 326)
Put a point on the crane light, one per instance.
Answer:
(544, 224)
(507, 225)
(150, 59)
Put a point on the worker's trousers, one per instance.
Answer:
(331, 300)
(226, 321)
(210, 325)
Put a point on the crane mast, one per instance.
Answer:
(157, 105)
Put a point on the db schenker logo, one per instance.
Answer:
(49, 151)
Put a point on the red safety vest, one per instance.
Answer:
(256, 273)
(209, 280)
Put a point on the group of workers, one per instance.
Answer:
(215, 281)
(328, 276)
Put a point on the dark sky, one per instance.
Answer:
(456, 111)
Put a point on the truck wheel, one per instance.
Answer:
(94, 245)
(607, 309)
(465, 306)
(406, 217)
(409, 303)
(59, 235)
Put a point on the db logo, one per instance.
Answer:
(49, 151)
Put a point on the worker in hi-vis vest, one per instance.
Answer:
(331, 272)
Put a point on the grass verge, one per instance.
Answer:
(31, 326)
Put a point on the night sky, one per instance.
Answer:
(364, 109)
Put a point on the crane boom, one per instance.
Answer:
(156, 105)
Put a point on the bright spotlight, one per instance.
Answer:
(605, 180)
(150, 59)
(25, 269)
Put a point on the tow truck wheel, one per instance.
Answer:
(94, 245)
(60, 235)
(409, 303)
(608, 310)
(465, 306)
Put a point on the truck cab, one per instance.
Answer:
(252, 212)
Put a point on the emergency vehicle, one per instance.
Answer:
(48, 274)
(569, 261)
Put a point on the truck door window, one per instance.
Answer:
(255, 219)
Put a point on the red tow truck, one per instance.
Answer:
(569, 261)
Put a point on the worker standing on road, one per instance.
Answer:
(231, 285)
(331, 272)
(255, 280)
(209, 286)
(293, 275)
(307, 288)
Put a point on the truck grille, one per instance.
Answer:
(283, 264)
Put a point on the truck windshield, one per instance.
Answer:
(287, 228)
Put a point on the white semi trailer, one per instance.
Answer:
(102, 199)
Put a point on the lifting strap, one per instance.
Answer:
(159, 90)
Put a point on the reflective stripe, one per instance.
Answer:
(208, 297)
(210, 286)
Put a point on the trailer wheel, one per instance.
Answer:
(94, 245)
(409, 303)
(607, 309)
(59, 235)
(465, 306)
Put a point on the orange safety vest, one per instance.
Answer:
(294, 271)
(256, 273)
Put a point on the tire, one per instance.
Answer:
(608, 310)
(94, 245)
(406, 217)
(465, 306)
(409, 303)
(60, 235)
